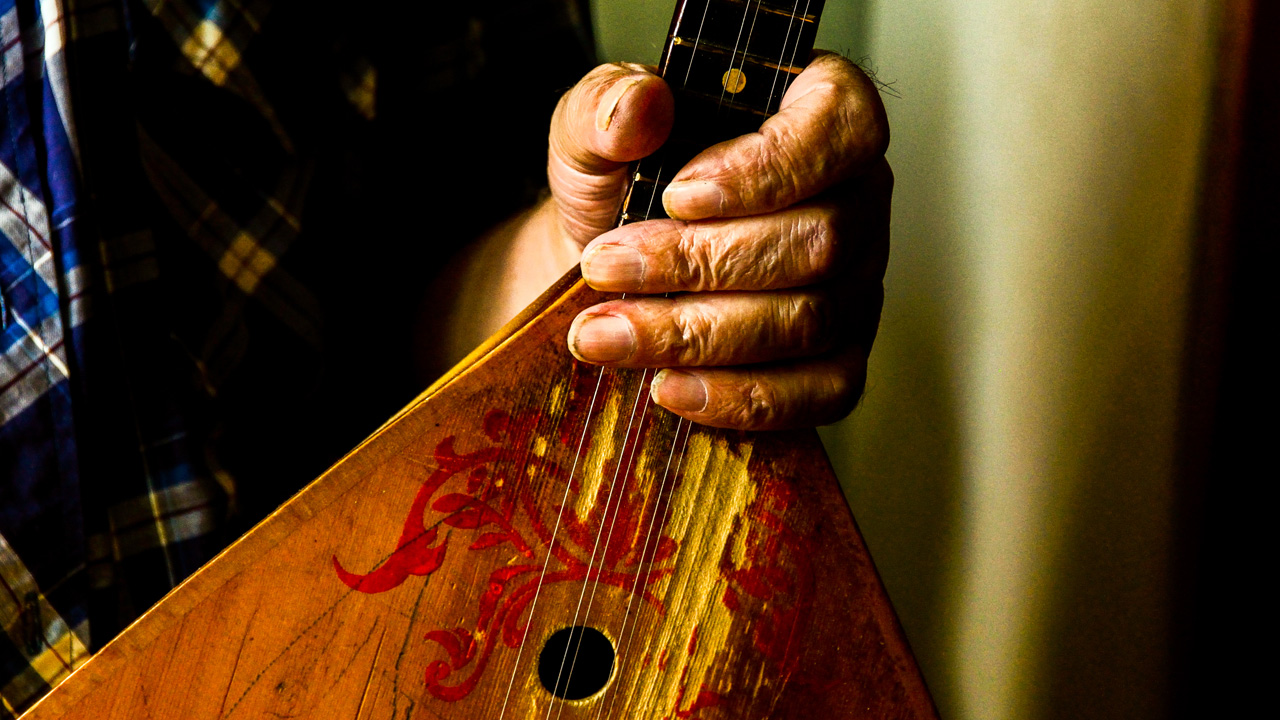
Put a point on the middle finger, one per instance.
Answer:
(731, 328)
(791, 248)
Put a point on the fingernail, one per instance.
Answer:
(612, 99)
(693, 200)
(678, 390)
(616, 268)
(602, 338)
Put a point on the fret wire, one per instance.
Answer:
(710, 49)
(779, 29)
(776, 10)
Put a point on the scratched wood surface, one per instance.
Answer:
(728, 572)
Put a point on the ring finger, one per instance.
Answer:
(729, 328)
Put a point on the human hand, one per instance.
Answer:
(776, 257)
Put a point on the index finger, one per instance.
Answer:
(616, 114)
(831, 125)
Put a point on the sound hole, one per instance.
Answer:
(591, 670)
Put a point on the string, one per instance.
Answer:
(796, 48)
(724, 86)
(617, 508)
(625, 440)
(736, 42)
(782, 56)
(627, 436)
(697, 39)
(564, 502)
(662, 527)
(596, 546)
(624, 640)
(642, 616)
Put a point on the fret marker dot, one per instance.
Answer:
(734, 80)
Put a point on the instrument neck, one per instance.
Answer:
(729, 64)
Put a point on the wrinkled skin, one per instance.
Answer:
(777, 257)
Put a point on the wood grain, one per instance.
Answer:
(727, 569)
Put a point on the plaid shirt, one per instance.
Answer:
(217, 218)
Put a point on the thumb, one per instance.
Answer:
(614, 115)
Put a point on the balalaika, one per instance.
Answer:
(533, 538)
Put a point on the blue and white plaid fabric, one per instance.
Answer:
(215, 219)
(42, 290)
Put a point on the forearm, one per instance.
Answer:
(490, 283)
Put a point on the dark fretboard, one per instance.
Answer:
(728, 62)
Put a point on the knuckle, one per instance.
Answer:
(753, 405)
(762, 402)
(819, 249)
(696, 269)
(807, 322)
(775, 264)
(688, 340)
(707, 263)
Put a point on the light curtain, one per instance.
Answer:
(1012, 463)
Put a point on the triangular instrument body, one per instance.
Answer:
(728, 573)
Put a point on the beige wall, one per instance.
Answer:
(1011, 464)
